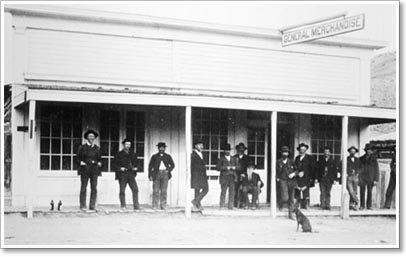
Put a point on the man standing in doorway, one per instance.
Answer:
(159, 171)
(305, 165)
(327, 170)
(198, 175)
(369, 176)
(243, 160)
(89, 160)
(126, 166)
(227, 165)
(286, 175)
(353, 170)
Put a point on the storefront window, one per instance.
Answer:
(109, 137)
(326, 131)
(211, 126)
(135, 131)
(60, 137)
(256, 146)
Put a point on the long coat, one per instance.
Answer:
(225, 174)
(329, 174)
(125, 160)
(91, 156)
(370, 170)
(198, 172)
(307, 165)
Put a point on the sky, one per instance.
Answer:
(380, 17)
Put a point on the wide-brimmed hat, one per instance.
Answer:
(368, 146)
(90, 131)
(126, 140)
(227, 147)
(352, 147)
(241, 145)
(285, 149)
(161, 144)
(302, 145)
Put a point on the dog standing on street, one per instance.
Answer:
(302, 220)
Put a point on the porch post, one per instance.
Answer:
(274, 116)
(31, 167)
(344, 212)
(188, 150)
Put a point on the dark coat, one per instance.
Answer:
(255, 178)
(353, 168)
(327, 175)
(125, 160)
(243, 163)
(91, 156)
(370, 170)
(155, 162)
(393, 167)
(198, 172)
(307, 165)
(284, 170)
(225, 174)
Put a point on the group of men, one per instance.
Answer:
(295, 176)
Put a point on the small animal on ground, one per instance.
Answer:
(302, 220)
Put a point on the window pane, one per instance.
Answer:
(67, 130)
(251, 148)
(56, 145)
(75, 163)
(140, 119)
(130, 133)
(261, 135)
(104, 133)
(140, 134)
(45, 129)
(114, 133)
(260, 163)
(224, 128)
(224, 142)
(114, 148)
(66, 146)
(44, 145)
(77, 130)
(140, 149)
(214, 143)
(44, 162)
(337, 147)
(131, 118)
(260, 148)
(66, 162)
(215, 128)
(206, 128)
(55, 163)
(56, 129)
(214, 158)
(104, 148)
(76, 144)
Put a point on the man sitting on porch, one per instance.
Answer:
(251, 184)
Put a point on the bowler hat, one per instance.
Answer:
(302, 145)
(90, 131)
(227, 147)
(161, 144)
(369, 146)
(126, 140)
(285, 149)
(241, 145)
(352, 147)
(198, 141)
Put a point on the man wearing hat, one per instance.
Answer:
(125, 164)
(243, 160)
(251, 184)
(89, 160)
(159, 171)
(392, 180)
(198, 175)
(369, 176)
(286, 176)
(353, 170)
(326, 175)
(227, 165)
(305, 165)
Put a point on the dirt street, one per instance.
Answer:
(172, 229)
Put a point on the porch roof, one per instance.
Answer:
(168, 98)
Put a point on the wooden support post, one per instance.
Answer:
(274, 116)
(188, 151)
(344, 212)
(31, 167)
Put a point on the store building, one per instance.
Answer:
(157, 79)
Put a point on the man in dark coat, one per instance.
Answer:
(125, 164)
(198, 175)
(227, 165)
(392, 180)
(243, 160)
(327, 169)
(286, 176)
(353, 170)
(251, 184)
(159, 171)
(369, 176)
(89, 160)
(305, 165)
